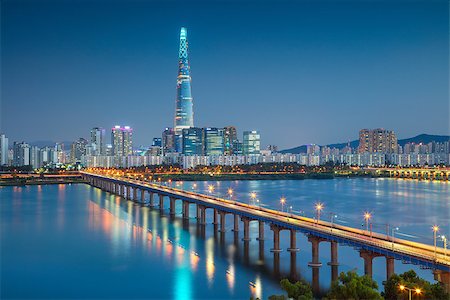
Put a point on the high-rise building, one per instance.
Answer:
(184, 115)
(127, 132)
(98, 140)
(377, 140)
(229, 139)
(213, 140)
(78, 149)
(251, 143)
(3, 150)
(21, 152)
(168, 140)
(193, 143)
(122, 143)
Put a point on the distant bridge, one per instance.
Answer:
(370, 244)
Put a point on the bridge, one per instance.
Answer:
(414, 173)
(369, 244)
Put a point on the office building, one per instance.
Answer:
(251, 143)
(78, 149)
(213, 141)
(193, 142)
(168, 140)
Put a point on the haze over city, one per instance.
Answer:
(287, 70)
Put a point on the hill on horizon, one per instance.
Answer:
(421, 138)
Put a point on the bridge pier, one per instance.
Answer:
(198, 212)
(444, 279)
(172, 205)
(185, 209)
(215, 217)
(276, 238)
(134, 194)
(202, 215)
(314, 240)
(389, 267)
(293, 247)
(143, 196)
(222, 221)
(368, 257)
(161, 201)
(128, 192)
(246, 222)
(261, 231)
(334, 260)
(151, 203)
(236, 223)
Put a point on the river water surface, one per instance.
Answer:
(76, 241)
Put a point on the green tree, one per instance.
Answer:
(352, 286)
(411, 280)
(299, 290)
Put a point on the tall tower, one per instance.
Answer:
(184, 114)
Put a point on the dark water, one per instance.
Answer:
(75, 241)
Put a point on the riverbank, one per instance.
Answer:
(21, 181)
(246, 176)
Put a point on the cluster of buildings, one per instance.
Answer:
(23, 154)
(190, 146)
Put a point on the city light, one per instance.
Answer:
(210, 188)
(402, 288)
(230, 192)
(435, 230)
(252, 197)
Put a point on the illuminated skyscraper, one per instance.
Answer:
(377, 140)
(229, 139)
(98, 140)
(251, 143)
(122, 143)
(184, 114)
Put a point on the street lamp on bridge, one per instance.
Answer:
(230, 193)
(319, 207)
(367, 217)
(252, 197)
(283, 202)
(435, 230)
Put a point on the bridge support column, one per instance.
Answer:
(215, 221)
(198, 212)
(185, 210)
(161, 201)
(172, 205)
(261, 231)
(236, 223)
(276, 238)
(143, 196)
(444, 278)
(246, 222)
(334, 261)
(202, 215)
(222, 221)
(389, 267)
(134, 194)
(128, 192)
(293, 247)
(152, 201)
(368, 257)
(314, 240)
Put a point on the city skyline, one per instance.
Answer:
(288, 76)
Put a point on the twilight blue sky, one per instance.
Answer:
(299, 71)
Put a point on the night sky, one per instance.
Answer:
(298, 71)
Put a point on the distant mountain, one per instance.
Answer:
(421, 138)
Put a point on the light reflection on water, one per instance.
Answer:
(150, 255)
